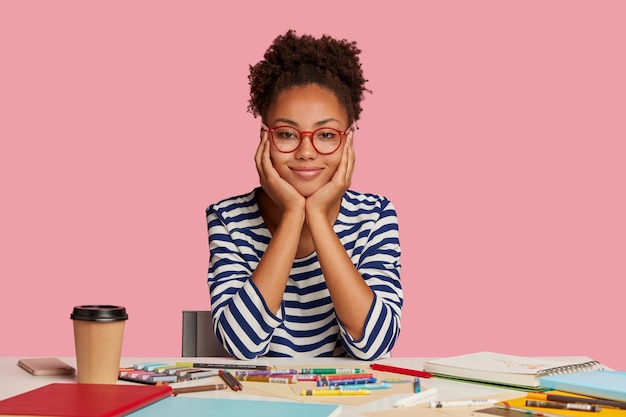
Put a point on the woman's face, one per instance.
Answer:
(307, 108)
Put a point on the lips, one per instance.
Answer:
(306, 172)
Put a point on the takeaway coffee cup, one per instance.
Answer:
(98, 334)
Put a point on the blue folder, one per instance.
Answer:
(601, 384)
(219, 407)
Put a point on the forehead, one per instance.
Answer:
(307, 104)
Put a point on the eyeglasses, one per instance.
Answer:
(325, 140)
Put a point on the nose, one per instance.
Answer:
(306, 149)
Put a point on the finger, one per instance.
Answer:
(261, 156)
(266, 155)
(267, 167)
(344, 164)
(351, 156)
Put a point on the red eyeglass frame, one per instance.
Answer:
(309, 133)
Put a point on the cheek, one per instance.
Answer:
(278, 159)
(334, 160)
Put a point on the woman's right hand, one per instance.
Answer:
(279, 190)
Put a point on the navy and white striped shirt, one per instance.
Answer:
(306, 325)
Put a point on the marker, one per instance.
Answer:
(125, 376)
(331, 371)
(415, 398)
(139, 381)
(145, 375)
(527, 411)
(183, 373)
(267, 372)
(566, 406)
(259, 378)
(152, 367)
(345, 377)
(173, 370)
(231, 380)
(191, 374)
(462, 403)
(349, 387)
(125, 371)
(303, 377)
(147, 366)
(161, 368)
(160, 378)
(199, 388)
(416, 385)
(321, 383)
(572, 399)
(404, 371)
(224, 366)
(334, 392)
(396, 380)
(202, 374)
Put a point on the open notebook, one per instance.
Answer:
(501, 369)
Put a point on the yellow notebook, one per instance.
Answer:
(519, 404)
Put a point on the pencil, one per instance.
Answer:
(230, 380)
(572, 399)
(565, 406)
(199, 388)
(224, 366)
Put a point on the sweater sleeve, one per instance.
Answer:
(242, 322)
(379, 265)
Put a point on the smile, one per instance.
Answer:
(307, 172)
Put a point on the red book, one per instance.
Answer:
(83, 400)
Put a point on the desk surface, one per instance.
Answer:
(15, 380)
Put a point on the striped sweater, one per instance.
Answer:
(306, 325)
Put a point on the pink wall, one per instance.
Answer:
(497, 128)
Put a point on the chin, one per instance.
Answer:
(307, 190)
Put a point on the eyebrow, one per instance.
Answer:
(293, 123)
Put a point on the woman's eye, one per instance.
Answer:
(286, 135)
(326, 135)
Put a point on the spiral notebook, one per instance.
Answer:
(512, 371)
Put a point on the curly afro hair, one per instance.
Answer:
(293, 60)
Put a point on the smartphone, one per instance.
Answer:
(46, 366)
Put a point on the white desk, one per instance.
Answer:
(14, 380)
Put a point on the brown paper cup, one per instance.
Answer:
(98, 335)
